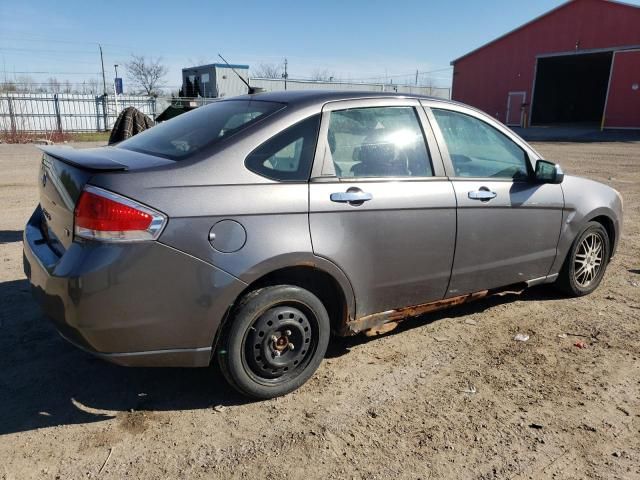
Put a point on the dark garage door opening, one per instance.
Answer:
(571, 89)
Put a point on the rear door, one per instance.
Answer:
(508, 224)
(381, 207)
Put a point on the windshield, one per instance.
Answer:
(182, 136)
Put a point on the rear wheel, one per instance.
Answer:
(275, 341)
(586, 261)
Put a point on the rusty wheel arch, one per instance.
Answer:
(317, 280)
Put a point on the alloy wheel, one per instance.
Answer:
(588, 259)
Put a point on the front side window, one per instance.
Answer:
(189, 133)
(288, 155)
(378, 142)
(479, 150)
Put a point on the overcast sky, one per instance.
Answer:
(358, 40)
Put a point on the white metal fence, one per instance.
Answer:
(65, 112)
(270, 84)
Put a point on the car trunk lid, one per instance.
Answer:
(63, 174)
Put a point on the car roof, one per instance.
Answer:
(311, 97)
(317, 98)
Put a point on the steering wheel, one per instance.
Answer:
(459, 161)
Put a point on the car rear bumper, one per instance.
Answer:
(179, 357)
(138, 304)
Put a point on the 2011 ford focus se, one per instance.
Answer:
(248, 230)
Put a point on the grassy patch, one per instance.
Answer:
(89, 137)
(9, 136)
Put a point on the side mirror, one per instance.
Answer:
(548, 172)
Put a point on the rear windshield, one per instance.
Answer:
(183, 136)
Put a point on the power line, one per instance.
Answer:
(57, 58)
(89, 52)
(64, 82)
(40, 50)
(396, 75)
(45, 83)
(56, 40)
(56, 73)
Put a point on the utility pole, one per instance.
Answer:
(104, 92)
(416, 77)
(115, 88)
(285, 75)
(104, 80)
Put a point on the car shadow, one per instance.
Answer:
(46, 382)
(10, 236)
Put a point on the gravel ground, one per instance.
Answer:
(449, 395)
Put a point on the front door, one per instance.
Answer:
(508, 225)
(515, 100)
(381, 207)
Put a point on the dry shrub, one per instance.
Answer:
(17, 136)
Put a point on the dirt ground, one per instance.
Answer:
(450, 395)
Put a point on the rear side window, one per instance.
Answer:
(288, 155)
(189, 133)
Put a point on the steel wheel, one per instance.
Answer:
(276, 339)
(279, 343)
(588, 259)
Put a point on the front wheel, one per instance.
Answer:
(275, 342)
(586, 261)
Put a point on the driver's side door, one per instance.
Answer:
(507, 224)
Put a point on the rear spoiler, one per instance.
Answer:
(90, 159)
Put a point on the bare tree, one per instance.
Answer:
(147, 73)
(25, 83)
(8, 86)
(267, 70)
(92, 86)
(201, 60)
(53, 85)
(322, 76)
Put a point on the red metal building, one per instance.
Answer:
(578, 63)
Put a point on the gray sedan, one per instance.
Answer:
(248, 230)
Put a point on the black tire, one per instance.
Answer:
(274, 342)
(572, 279)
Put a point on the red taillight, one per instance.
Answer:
(99, 213)
(102, 215)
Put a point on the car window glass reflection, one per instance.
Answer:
(479, 150)
(288, 155)
(378, 142)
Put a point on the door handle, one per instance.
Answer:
(482, 194)
(352, 196)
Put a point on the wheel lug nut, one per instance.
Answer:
(287, 333)
(274, 338)
(291, 346)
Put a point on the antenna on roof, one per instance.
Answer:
(249, 87)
